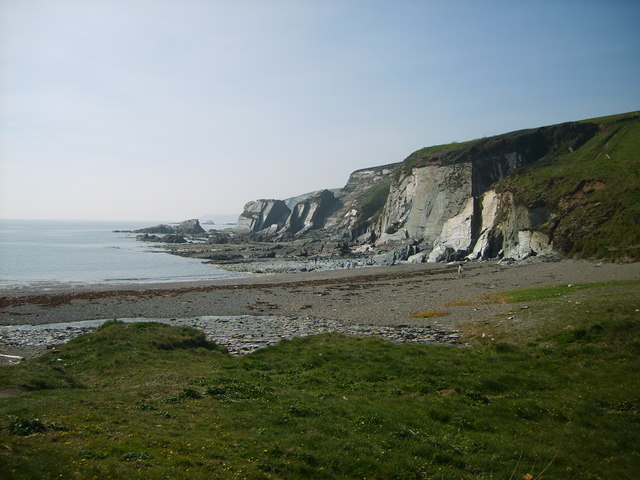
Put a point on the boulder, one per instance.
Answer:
(173, 239)
(189, 227)
(161, 229)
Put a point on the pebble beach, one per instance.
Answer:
(258, 310)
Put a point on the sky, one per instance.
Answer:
(172, 109)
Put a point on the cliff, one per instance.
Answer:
(568, 189)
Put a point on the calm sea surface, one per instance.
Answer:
(40, 253)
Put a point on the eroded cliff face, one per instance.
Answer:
(440, 204)
(263, 215)
(442, 201)
(419, 204)
(449, 212)
(275, 218)
(495, 227)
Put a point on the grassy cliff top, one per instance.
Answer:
(594, 191)
(586, 173)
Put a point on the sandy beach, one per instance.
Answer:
(383, 296)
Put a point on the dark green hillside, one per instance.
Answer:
(587, 174)
(594, 191)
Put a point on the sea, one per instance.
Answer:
(58, 253)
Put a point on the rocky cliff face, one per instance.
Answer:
(311, 213)
(263, 215)
(275, 218)
(440, 204)
(442, 201)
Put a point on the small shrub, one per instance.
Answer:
(186, 393)
(142, 455)
(300, 409)
(92, 454)
(505, 348)
(26, 426)
(190, 393)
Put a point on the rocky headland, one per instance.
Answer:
(552, 192)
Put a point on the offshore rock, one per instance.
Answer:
(188, 227)
(161, 229)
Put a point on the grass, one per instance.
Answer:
(541, 293)
(371, 206)
(593, 191)
(151, 401)
(584, 313)
(428, 314)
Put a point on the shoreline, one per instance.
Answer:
(373, 296)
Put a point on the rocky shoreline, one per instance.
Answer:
(238, 334)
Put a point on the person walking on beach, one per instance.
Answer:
(460, 271)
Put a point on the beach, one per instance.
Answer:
(376, 296)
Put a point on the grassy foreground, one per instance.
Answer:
(554, 395)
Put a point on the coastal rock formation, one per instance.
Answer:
(337, 212)
(259, 215)
(468, 201)
(311, 213)
(188, 227)
(274, 216)
(438, 202)
(361, 199)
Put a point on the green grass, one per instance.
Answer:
(541, 293)
(371, 206)
(593, 191)
(152, 401)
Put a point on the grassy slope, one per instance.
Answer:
(593, 192)
(151, 401)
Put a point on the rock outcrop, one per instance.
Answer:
(311, 213)
(442, 199)
(263, 215)
(188, 227)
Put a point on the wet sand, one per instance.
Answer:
(370, 296)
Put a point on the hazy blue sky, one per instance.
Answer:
(169, 109)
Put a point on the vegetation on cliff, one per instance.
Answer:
(593, 192)
(586, 174)
(372, 205)
(560, 400)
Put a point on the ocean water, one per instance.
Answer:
(41, 253)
